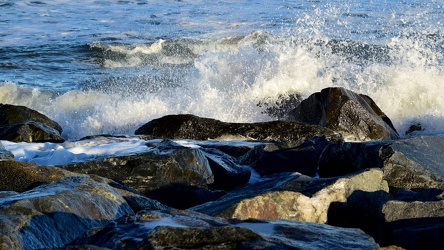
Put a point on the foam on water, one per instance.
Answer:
(393, 52)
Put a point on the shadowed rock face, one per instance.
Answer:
(290, 134)
(355, 116)
(189, 230)
(21, 124)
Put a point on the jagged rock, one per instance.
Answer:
(53, 215)
(21, 124)
(302, 159)
(172, 174)
(292, 197)
(355, 116)
(187, 230)
(227, 173)
(411, 163)
(415, 220)
(151, 170)
(21, 176)
(289, 134)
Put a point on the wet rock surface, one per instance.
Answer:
(354, 115)
(292, 186)
(289, 134)
(21, 124)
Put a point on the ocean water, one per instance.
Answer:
(108, 67)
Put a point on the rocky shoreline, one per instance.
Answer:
(334, 174)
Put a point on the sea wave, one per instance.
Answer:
(240, 79)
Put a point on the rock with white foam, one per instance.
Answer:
(355, 116)
(22, 124)
(287, 134)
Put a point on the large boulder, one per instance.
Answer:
(53, 215)
(289, 134)
(21, 124)
(151, 170)
(187, 230)
(355, 116)
(293, 197)
(174, 175)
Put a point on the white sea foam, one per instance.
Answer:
(50, 154)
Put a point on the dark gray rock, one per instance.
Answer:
(227, 173)
(415, 220)
(303, 159)
(412, 163)
(355, 116)
(343, 158)
(21, 124)
(53, 215)
(289, 134)
(188, 230)
(151, 170)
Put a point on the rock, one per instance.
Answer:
(182, 196)
(53, 215)
(172, 174)
(227, 173)
(5, 154)
(21, 176)
(135, 200)
(21, 124)
(292, 197)
(343, 158)
(303, 159)
(355, 116)
(188, 230)
(411, 163)
(289, 134)
(151, 170)
(415, 221)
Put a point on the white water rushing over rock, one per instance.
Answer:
(109, 67)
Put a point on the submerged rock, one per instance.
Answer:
(355, 116)
(189, 230)
(21, 124)
(53, 215)
(289, 134)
